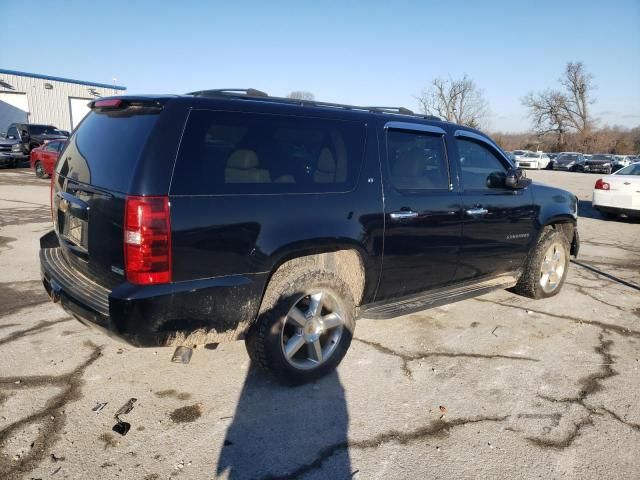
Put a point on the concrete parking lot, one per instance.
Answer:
(496, 387)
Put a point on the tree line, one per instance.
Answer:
(561, 118)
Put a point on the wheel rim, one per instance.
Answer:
(312, 330)
(39, 170)
(552, 268)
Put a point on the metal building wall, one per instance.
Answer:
(52, 106)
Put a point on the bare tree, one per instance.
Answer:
(566, 110)
(547, 111)
(301, 95)
(455, 100)
(578, 85)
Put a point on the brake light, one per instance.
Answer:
(108, 103)
(602, 185)
(147, 240)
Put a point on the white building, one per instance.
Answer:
(34, 98)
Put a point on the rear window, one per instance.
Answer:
(252, 153)
(105, 148)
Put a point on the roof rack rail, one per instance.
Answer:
(247, 92)
(400, 110)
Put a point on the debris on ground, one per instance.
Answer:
(99, 407)
(182, 355)
(126, 408)
(123, 427)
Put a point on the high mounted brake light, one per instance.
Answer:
(147, 240)
(107, 103)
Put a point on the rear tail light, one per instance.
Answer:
(602, 185)
(147, 240)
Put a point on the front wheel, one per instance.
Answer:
(40, 173)
(307, 331)
(546, 268)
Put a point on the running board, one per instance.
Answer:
(442, 296)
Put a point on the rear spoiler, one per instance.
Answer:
(126, 105)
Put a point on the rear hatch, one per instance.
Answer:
(106, 159)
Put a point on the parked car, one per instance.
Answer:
(519, 155)
(44, 157)
(181, 220)
(618, 193)
(599, 163)
(552, 159)
(621, 161)
(536, 160)
(24, 137)
(569, 161)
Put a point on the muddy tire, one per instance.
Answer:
(306, 328)
(546, 267)
(40, 173)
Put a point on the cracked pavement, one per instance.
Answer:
(494, 387)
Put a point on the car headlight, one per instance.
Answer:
(606, 164)
(15, 148)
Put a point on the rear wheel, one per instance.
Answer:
(546, 268)
(307, 331)
(40, 173)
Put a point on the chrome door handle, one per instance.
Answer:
(477, 212)
(403, 215)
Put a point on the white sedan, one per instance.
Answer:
(618, 193)
(535, 160)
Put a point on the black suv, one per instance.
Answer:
(218, 215)
(21, 138)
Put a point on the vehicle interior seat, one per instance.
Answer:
(242, 167)
(326, 168)
(408, 170)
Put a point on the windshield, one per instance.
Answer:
(568, 158)
(630, 170)
(601, 157)
(43, 130)
(532, 155)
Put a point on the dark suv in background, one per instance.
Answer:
(218, 215)
(21, 138)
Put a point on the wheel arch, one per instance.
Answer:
(347, 259)
(567, 225)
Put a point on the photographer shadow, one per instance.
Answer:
(280, 432)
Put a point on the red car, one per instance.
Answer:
(44, 158)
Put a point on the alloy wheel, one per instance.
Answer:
(552, 268)
(312, 330)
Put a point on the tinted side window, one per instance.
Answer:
(12, 131)
(477, 163)
(251, 153)
(417, 161)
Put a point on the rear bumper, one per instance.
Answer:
(192, 312)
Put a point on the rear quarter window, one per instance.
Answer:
(251, 153)
(105, 149)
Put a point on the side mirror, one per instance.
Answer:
(516, 180)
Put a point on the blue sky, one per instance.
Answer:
(380, 53)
